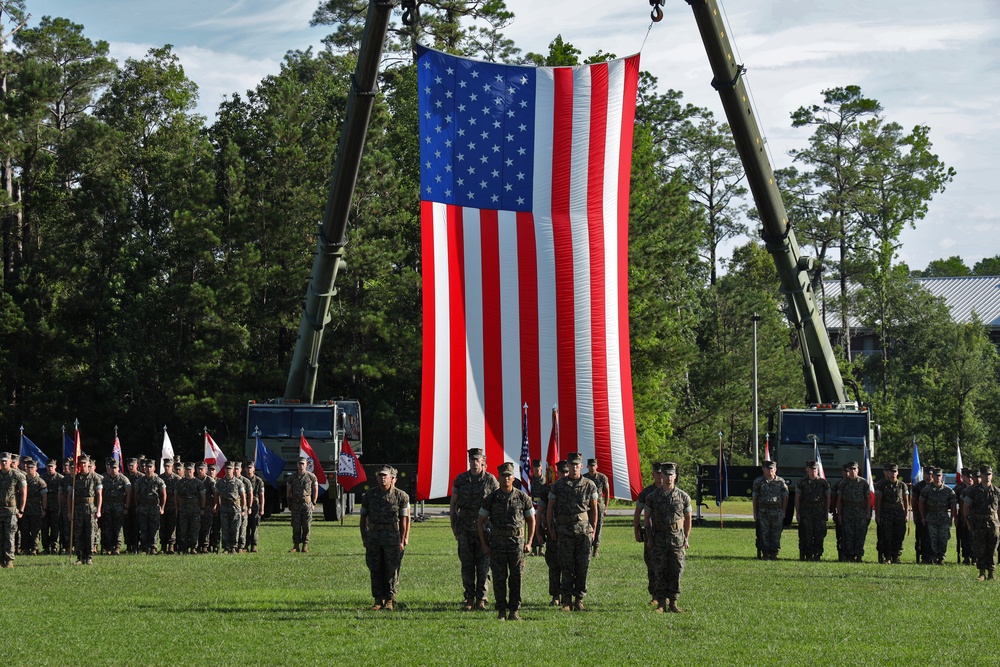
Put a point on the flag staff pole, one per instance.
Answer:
(339, 449)
(72, 490)
(718, 483)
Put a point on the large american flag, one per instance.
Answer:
(524, 211)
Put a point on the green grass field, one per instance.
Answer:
(280, 608)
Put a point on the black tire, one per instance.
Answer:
(331, 509)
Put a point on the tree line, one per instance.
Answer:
(155, 261)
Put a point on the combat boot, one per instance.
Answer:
(480, 605)
(661, 606)
(389, 604)
(467, 605)
(513, 615)
(378, 605)
(982, 575)
(578, 604)
(554, 601)
(593, 551)
(990, 576)
(673, 608)
(565, 603)
(501, 615)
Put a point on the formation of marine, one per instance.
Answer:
(496, 524)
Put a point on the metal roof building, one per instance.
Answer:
(963, 296)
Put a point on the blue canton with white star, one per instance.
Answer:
(476, 132)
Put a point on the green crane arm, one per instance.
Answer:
(823, 380)
(329, 260)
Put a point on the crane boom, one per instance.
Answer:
(301, 384)
(824, 383)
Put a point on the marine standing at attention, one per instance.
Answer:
(467, 494)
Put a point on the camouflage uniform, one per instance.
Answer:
(892, 518)
(245, 515)
(168, 523)
(470, 490)
(148, 493)
(855, 500)
(130, 526)
(647, 541)
(256, 511)
(600, 480)
(230, 492)
(116, 490)
(506, 513)
(938, 501)
(301, 486)
(383, 551)
(190, 506)
(50, 522)
(209, 530)
(572, 499)
(770, 497)
(814, 496)
(983, 503)
(65, 525)
(10, 489)
(666, 510)
(539, 496)
(85, 490)
(31, 521)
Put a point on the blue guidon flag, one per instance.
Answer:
(524, 216)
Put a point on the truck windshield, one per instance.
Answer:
(831, 428)
(287, 421)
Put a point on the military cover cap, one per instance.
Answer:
(768, 464)
(303, 459)
(190, 465)
(891, 467)
(237, 465)
(966, 471)
(475, 452)
(212, 466)
(812, 464)
(111, 461)
(562, 466)
(168, 461)
(985, 470)
(201, 464)
(506, 468)
(657, 467)
(230, 464)
(68, 460)
(51, 463)
(937, 471)
(4, 456)
(84, 459)
(850, 465)
(536, 462)
(386, 470)
(28, 462)
(131, 459)
(668, 468)
(575, 457)
(591, 462)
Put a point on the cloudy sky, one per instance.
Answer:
(924, 61)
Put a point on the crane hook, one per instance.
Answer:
(411, 12)
(657, 13)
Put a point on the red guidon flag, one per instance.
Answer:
(350, 473)
(524, 217)
(213, 454)
(313, 464)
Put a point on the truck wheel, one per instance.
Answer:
(331, 509)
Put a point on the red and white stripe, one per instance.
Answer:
(532, 307)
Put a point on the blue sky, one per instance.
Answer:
(924, 61)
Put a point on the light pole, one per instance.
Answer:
(756, 418)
